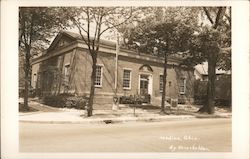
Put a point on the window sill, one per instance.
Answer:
(98, 86)
(124, 88)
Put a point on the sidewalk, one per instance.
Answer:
(47, 114)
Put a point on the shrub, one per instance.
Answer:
(66, 100)
(55, 101)
(127, 99)
(76, 102)
(181, 101)
(135, 99)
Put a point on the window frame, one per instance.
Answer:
(130, 78)
(38, 84)
(66, 73)
(98, 86)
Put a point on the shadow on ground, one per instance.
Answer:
(22, 109)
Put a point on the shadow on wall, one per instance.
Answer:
(109, 76)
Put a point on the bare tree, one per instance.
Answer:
(92, 23)
(36, 26)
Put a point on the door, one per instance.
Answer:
(144, 84)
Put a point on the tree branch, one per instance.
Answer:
(218, 17)
(229, 17)
(78, 24)
(114, 26)
(88, 27)
(99, 35)
(208, 15)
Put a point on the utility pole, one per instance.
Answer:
(115, 98)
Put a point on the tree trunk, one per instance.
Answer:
(92, 87)
(209, 104)
(26, 84)
(211, 83)
(163, 97)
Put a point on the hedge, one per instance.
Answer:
(66, 100)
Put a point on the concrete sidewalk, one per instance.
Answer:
(47, 114)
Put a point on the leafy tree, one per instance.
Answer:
(212, 44)
(36, 26)
(92, 23)
(163, 33)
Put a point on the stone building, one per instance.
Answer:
(66, 68)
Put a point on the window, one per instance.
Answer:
(182, 86)
(66, 74)
(98, 77)
(126, 79)
(34, 77)
(161, 83)
(34, 80)
(38, 84)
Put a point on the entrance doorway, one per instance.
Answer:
(145, 87)
(144, 84)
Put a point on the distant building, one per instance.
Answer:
(222, 85)
(201, 72)
(66, 68)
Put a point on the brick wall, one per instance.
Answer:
(80, 66)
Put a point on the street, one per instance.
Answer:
(193, 135)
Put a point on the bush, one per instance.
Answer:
(76, 102)
(181, 101)
(127, 100)
(66, 100)
(135, 99)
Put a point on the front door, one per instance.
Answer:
(144, 84)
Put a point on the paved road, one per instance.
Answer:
(194, 135)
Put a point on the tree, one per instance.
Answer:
(92, 23)
(163, 33)
(213, 44)
(36, 26)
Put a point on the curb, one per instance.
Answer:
(213, 116)
(111, 120)
(129, 119)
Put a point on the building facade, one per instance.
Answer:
(66, 68)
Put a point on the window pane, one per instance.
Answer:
(126, 78)
(98, 77)
(66, 74)
(182, 86)
(161, 82)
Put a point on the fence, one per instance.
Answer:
(222, 91)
